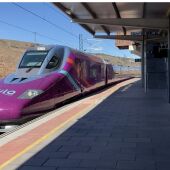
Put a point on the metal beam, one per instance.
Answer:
(120, 37)
(154, 23)
(93, 14)
(130, 37)
(118, 15)
(72, 15)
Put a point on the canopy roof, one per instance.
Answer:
(104, 19)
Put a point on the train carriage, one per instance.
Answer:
(47, 75)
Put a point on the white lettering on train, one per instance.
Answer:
(7, 92)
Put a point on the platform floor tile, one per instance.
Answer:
(130, 130)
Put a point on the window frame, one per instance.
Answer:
(32, 66)
(58, 64)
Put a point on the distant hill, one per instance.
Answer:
(119, 60)
(10, 52)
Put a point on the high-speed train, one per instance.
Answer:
(47, 75)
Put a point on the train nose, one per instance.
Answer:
(9, 111)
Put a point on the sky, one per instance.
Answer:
(48, 25)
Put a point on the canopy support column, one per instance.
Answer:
(142, 61)
(168, 70)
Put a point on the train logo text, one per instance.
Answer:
(7, 92)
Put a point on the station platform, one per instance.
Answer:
(120, 128)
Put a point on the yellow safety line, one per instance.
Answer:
(48, 135)
(45, 137)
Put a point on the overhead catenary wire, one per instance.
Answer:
(16, 26)
(49, 22)
(67, 18)
(30, 31)
(51, 7)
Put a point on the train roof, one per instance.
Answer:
(42, 47)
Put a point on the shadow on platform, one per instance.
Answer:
(130, 130)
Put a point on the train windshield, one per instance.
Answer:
(33, 59)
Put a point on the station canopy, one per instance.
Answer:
(119, 20)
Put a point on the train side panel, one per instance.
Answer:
(60, 89)
(109, 73)
(89, 74)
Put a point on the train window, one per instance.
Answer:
(78, 67)
(84, 70)
(33, 59)
(53, 63)
(102, 71)
(93, 72)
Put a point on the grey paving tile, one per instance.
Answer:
(144, 145)
(93, 143)
(52, 155)
(137, 140)
(65, 142)
(124, 135)
(84, 139)
(36, 161)
(103, 149)
(122, 145)
(163, 165)
(145, 157)
(74, 148)
(67, 163)
(136, 165)
(97, 164)
(137, 150)
(84, 156)
(117, 156)
(114, 139)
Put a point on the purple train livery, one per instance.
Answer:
(47, 75)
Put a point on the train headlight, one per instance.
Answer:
(29, 94)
